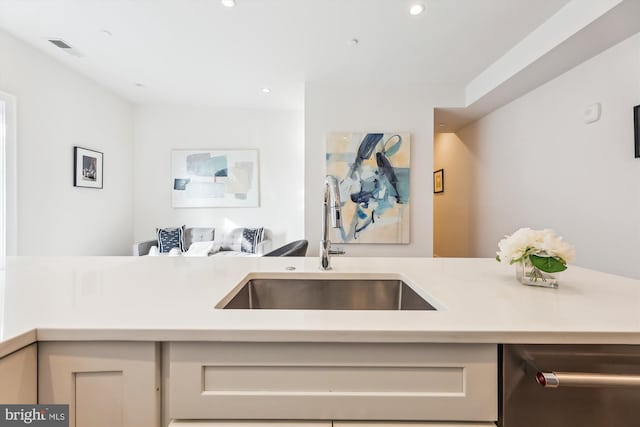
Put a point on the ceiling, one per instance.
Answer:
(202, 53)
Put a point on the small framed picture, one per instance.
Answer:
(87, 168)
(636, 127)
(438, 181)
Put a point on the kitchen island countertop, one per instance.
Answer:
(173, 299)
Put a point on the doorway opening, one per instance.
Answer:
(8, 199)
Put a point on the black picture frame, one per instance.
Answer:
(438, 181)
(87, 168)
(636, 129)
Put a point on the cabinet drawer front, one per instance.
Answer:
(265, 423)
(333, 381)
(261, 423)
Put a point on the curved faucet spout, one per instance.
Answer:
(330, 209)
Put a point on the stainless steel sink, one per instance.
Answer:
(324, 294)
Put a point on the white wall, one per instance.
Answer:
(279, 138)
(539, 165)
(452, 218)
(57, 109)
(373, 109)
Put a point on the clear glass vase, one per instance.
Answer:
(529, 275)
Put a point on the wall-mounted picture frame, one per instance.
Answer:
(438, 181)
(636, 129)
(87, 168)
(215, 179)
(374, 170)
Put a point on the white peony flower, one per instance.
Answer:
(526, 241)
(554, 246)
(513, 247)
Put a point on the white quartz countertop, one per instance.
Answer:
(173, 298)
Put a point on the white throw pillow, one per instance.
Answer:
(153, 251)
(202, 248)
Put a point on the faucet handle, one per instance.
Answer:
(337, 251)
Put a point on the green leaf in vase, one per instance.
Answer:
(547, 264)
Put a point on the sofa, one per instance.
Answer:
(207, 241)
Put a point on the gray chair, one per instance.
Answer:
(296, 248)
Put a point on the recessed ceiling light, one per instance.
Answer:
(353, 42)
(228, 3)
(416, 9)
(139, 84)
(106, 33)
(266, 90)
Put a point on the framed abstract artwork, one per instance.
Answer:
(636, 129)
(438, 181)
(87, 168)
(373, 171)
(214, 178)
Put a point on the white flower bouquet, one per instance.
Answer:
(543, 250)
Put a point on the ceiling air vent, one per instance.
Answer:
(66, 47)
(60, 43)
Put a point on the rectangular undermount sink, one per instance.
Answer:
(324, 294)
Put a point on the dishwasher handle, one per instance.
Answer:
(581, 379)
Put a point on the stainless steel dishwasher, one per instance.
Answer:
(570, 386)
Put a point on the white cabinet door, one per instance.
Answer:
(110, 384)
(18, 372)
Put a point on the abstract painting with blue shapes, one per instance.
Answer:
(373, 171)
(213, 178)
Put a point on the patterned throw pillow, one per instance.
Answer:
(169, 238)
(250, 239)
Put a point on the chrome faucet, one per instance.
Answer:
(331, 202)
